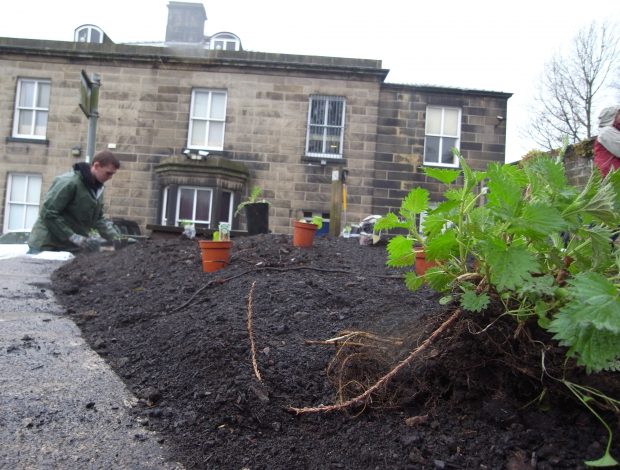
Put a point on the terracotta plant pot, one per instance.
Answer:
(215, 255)
(303, 234)
(421, 264)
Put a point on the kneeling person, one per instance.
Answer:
(73, 206)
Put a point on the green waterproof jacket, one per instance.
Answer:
(70, 206)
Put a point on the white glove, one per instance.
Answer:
(85, 243)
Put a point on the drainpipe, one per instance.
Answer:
(93, 116)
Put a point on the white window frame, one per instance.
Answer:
(325, 126)
(193, 119)
(230, 207)
(36, 111)
(164, 206)
(224, 40)
(89, 33)
(193, 219)
(11, 203)
(442, 135)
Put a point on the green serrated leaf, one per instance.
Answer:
(433, 224)
(390, 221)
(510, 264)
(599, 301)
(400, 252)
(541, 285)
(442, 246)
(538, 220)
(469, 177)
(445, 208)
(474, 302)
(437, 279)
(505, 191)
(589, 324)
(445, 175)
(413, 282)
(415, 202)
(546, 175)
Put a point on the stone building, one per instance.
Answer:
(197, 121)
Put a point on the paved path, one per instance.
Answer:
(61, 406)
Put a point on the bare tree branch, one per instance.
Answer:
(572, 84)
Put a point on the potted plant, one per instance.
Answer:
(256, 212)
(304, 230)
(410, 248)
(215, 253)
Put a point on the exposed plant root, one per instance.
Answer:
(341, 388)
(251, 334)
(364, 397)
(348, 343)
(352, 350)
(470, 277)
(346, 338)
(473, 331)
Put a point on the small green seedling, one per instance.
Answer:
(253, 198)
(315, 220)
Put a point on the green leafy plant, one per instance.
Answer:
(253, 198)
(523, 237)
(315, 220)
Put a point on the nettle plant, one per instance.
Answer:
(537, 245)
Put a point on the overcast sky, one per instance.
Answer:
(480, 44)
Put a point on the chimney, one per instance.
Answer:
(186, 22)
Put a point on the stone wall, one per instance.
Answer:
(266, 130)
(401, 132)
(144, 114)
(578, 162)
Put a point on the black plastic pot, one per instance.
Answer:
(257, 216)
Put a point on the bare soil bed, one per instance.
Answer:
(179, 338)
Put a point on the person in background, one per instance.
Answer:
(73, 208)
(607, 143)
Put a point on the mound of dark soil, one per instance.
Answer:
(179, 338)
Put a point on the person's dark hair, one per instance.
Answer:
(105, 158)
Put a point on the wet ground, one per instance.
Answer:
(62, 406)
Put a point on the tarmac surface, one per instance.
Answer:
(61, 406)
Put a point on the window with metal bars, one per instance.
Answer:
(325, 132)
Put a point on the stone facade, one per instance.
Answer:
(401, 134)
(579, 162)
(144, 109)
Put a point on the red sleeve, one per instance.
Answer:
(604, 160)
